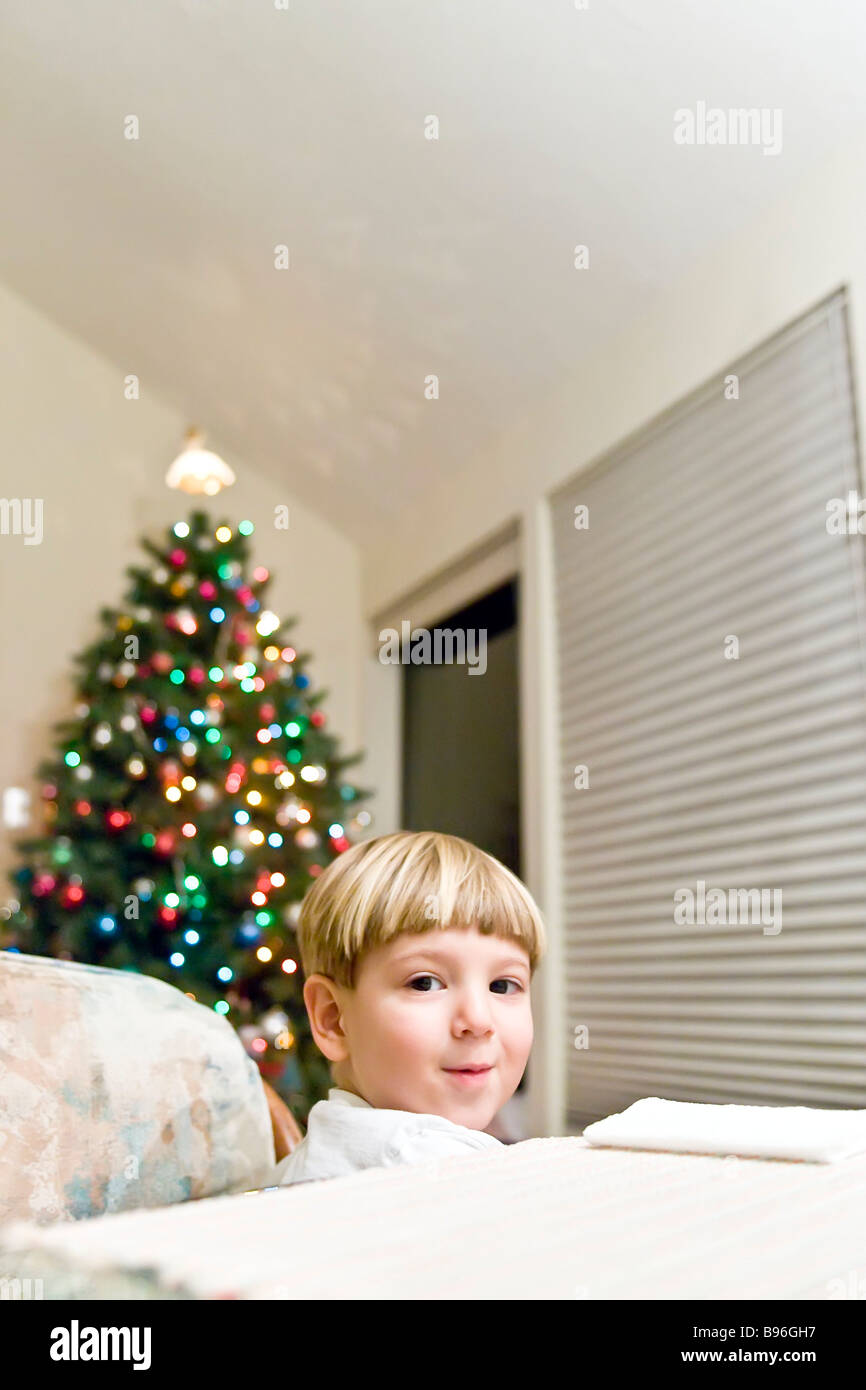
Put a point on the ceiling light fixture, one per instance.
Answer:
(198, 470)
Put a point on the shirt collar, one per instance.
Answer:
(341, 1097)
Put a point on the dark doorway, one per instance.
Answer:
(461, 763)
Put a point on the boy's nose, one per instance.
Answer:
(473, 1012)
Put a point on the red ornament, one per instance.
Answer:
(267, 712)
(148, 714)
(83, 808)
(245, 595)
(167, 915)
(260, 574)
(195, 675)
(270, 1068)
(207, 589)
(72, 896)
(317, 718)
(164, 842)
(178, 557)
(42, 884)
(161, 662)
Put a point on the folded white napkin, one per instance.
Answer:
(751, 1131)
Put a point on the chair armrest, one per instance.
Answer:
(117, 1091)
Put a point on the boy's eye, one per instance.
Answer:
(418, 983)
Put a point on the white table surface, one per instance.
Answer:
(542, 1219)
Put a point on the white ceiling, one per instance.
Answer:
(262, 126)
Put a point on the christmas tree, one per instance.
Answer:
(192, 801)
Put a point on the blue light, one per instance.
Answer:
(242, 817)
(176, 958)
(224, 973)
(171, 721)
(197, 716)
(217, 615)
(250, 932)
(182, 734)
(192, 937)
(107, 924)
(302, 681)
(275, 839)
(275, 730)
(237, 856)
(160, 745)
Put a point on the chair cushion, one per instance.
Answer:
(119, 1091)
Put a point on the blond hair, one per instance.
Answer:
(413, 881)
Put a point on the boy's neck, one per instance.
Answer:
(342, 1078)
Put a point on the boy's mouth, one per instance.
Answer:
(469, 1077)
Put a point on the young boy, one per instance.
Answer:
(418, 951)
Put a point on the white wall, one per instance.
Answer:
(68, 436)
(733, 298)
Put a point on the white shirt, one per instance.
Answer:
(345, 1134)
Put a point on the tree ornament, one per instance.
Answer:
(272, 1023)
(206, 793)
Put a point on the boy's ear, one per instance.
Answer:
(324, 1009)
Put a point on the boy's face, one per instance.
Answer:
(425, 1006)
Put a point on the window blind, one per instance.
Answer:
(712, 724)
